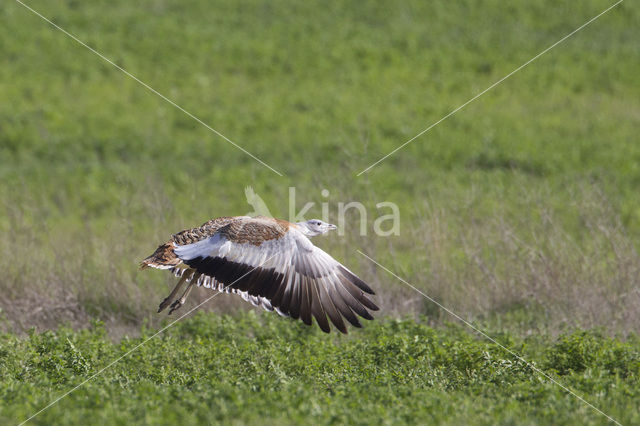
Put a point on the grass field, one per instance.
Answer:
(265, 370)
(521, 212)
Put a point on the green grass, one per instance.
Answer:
(268, 370)
(527, 197)
(520, 212)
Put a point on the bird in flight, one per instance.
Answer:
(268, 262)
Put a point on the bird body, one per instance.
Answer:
(270, 263)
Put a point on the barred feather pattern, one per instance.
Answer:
(211, 283)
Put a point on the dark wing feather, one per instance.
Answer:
(316, 308)
(330, 309)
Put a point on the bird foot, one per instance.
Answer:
(164, 304)
(176, 305)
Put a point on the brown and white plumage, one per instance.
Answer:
(270, 263)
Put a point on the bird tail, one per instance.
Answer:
(163, 258)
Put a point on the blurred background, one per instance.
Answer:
(520, 211)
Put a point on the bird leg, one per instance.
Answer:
(175, 290)
(179, 302)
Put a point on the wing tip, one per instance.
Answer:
(373, 306)
(356, 280)
(324, 328)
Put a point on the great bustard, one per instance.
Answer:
(270, 263)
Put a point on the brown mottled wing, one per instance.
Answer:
(294, 276)
(165, 258)
(207, 229)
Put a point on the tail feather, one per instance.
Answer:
(162, 258)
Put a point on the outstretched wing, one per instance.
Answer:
(297, 278)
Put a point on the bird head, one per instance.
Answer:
(314, 227)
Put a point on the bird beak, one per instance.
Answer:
(331, 227)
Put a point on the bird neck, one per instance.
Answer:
(302, 227)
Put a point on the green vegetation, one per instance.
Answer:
(262, 369)
(525, 201)
(521, 212)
